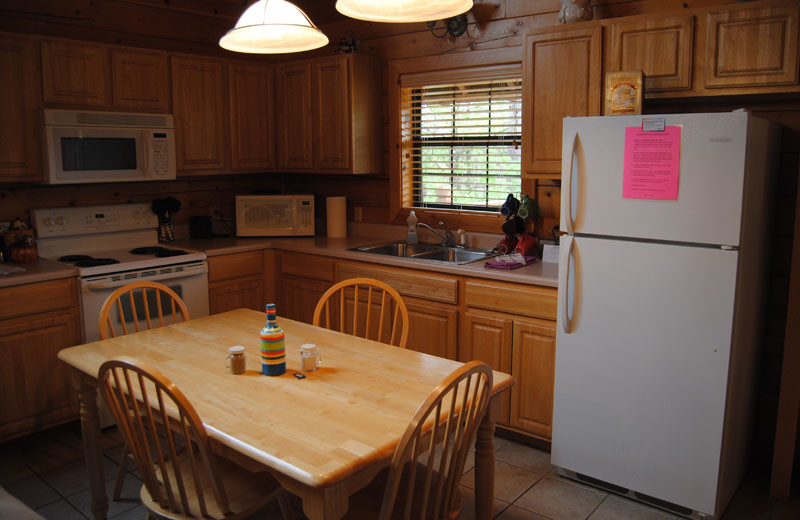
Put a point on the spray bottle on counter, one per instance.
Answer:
(412, 220)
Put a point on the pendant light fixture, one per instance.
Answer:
(273, 27)
(402, 11)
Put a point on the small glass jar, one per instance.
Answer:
(236, 360)
(309, 357)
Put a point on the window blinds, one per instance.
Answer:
(461, 144)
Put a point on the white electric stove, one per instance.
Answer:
(114, 245)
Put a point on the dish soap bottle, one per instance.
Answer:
(273, 345)
(412, 220)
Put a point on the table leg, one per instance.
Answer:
(484, 463)
(92, 446)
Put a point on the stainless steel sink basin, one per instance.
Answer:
(427, 252)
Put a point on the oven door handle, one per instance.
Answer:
(193, 271)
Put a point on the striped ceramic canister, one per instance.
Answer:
(273, 345)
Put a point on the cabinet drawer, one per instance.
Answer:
(407, 283)
(35, 298)
(307, 266)
(513, 299)
(236, 265)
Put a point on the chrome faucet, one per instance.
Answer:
(446, 236)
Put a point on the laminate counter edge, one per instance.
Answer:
(39, 271)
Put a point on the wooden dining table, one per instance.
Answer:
(324, 436)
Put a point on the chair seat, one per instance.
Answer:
(247, 492)
(367, 502)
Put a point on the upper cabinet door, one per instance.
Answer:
(252, 100)
(561, 77)
(294, 116)
(198, 100)
(332, 113)
(75, 74)
(751, 47)
(20, 102)
(140, 79)
(659, 47)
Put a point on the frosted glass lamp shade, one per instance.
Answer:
(393, 11)
(273, 27)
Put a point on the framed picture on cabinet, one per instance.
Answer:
(624, 93)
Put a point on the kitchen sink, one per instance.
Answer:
(427, 252)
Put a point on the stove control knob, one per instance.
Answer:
(61, 221)
(48, 221)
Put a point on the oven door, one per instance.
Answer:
(189, 281)
(95, 154)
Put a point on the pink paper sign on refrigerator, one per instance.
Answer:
(652, 163)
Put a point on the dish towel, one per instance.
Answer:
(508, 262)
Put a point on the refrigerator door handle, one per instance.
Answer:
(563, 284)
(568, 199)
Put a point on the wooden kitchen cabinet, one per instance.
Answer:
(236, 281)
(487, 337)
(36, 322)
(561, 77)
(252, 119)
(661, 47)
(20, 109)
(431, 299)
(533, 360)
(304, 279)
(140, 80)
(512, 327)
(752, 47)
(76, 74)
(327, 109)
(198, 102)
(294, 116)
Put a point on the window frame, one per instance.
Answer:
(461, 67)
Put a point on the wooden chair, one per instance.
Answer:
(182, 477)
(151, 298)
(384, 316)
(125, 300)
(423, 478)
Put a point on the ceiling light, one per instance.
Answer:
(392, 11)
(273, 27)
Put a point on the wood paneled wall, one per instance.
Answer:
(196, 25)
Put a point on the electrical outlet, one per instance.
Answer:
(357, 213)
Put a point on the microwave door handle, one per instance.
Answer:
(194, 271)
(146, 141)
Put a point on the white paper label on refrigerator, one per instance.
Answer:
(652, 164)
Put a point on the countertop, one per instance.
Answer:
(539, 273)
(39, 271)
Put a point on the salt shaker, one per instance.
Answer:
(309, 357)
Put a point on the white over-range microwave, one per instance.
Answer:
(274, 215)
(82, 147)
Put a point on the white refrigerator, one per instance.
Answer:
(662, 275)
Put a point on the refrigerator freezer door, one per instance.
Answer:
(712, 165)
(641, 378)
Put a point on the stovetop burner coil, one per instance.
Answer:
(158, 251)
(94, 262)
(74, 258)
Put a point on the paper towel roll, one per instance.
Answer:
(337, 216)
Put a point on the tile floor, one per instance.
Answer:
(46, 471)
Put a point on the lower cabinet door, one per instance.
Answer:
(487, 337)
(35, 387)
(235, 294)
(433, 328)
(299, 297)
(533, 367)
